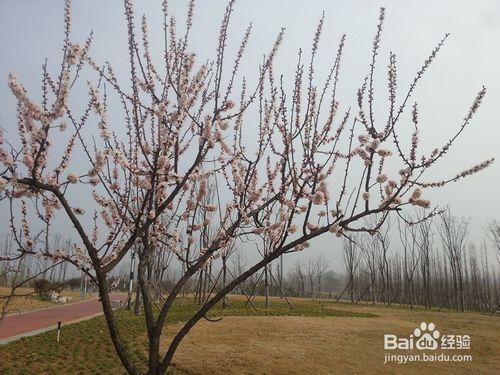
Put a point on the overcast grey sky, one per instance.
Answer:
(31, 30)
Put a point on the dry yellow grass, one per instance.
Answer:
(28, 301)
(330, 345)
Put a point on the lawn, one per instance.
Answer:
(27, 300)
(317, 338)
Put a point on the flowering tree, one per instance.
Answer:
(181, 128)
(20, 269)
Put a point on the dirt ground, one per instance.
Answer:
(331, 345)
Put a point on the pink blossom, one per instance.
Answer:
(94, 180)
(6, 158)
(223, 125)
(333, 228)
(28, 161)
(228, 105)
(375, 143)
(318, 198)
(362, 153)
(417, 193)
(422, 203)
(312, 227)
(324, 189)
(363, 138)
(72, 178)
(384, 153)
(300, 247)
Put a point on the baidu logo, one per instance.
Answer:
(426, 337)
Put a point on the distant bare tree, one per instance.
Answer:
(321, 265)
(424, 242)
(297, 275)
(454, 235)
(351, 262)
(369, 250)
(408, 241)
(494, 236)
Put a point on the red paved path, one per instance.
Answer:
(19, 324)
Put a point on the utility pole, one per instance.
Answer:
(224, 301)
(131, 280)
(281, 276)
(82, 288)
(266, 280)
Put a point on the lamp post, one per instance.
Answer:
(82, 287)
(131, 280)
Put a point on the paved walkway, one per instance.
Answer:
(13, 327)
